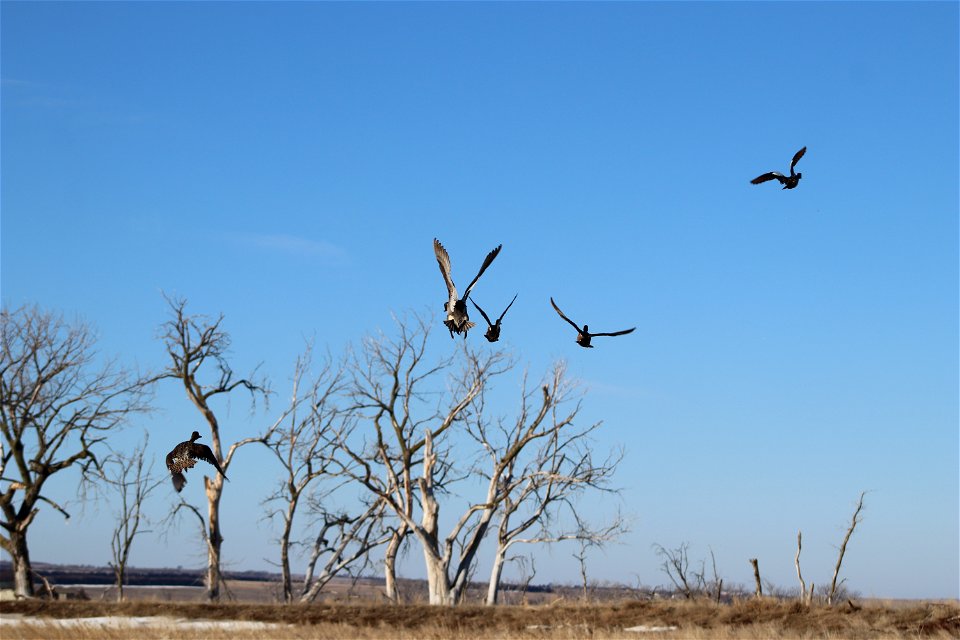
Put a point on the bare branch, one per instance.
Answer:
(854, 521)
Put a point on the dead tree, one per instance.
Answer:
(58, 403)
(550, 468)
(304, 442)
(343, 541)
(131, 479)
(193, 342)
(854, 521)
(676, 563)
(756, 576)
(805, 597)
(407, 406)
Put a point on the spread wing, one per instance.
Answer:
(796, 157)
(443, 259)
(203, 452)
(481, 312)
(615, 333)
(505, 310)
(572, 323)
(486, 263)
(773, 175)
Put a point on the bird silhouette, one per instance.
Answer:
(458, 320)
(788, 182)
(584, 335)
(185, 455)
(493, 328)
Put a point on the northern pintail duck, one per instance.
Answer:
(788, 182)
(493, 328)
(458, 321)
(584, 335)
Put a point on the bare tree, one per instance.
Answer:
(676, 564)
(343, 540)
(805, 597)
(404, 460)
(854, 521)
(755, 563)
(581, 557)
(191, 343)
(131, 478)
(304, 441)
(539, 483)
(58, 404)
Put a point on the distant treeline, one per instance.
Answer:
(166, 577)
(82, 574)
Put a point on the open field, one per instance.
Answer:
(626, 619)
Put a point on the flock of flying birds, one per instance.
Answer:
(458, 320)
(186, 454)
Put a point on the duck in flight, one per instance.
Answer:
(788, 182)
(584, 335)
(458, 321)
(185, 455)
(493, 328)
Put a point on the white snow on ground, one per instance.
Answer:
(121, 622)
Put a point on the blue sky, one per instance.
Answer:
(289, 164)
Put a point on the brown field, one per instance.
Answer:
(752, 619)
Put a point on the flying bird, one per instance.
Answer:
(788, 182)
(458, 321)
(185, 455)
(584, 335)
(493, 328)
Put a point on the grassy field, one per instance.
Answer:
(696, 620)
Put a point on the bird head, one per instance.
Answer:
(195, 436)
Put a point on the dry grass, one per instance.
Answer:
(695, 620)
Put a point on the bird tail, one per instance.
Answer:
(178, 481)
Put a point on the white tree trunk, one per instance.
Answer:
(493, 589)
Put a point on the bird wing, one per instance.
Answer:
(483, 267)
(574, 324)
(507, 309)
(170, 460)
(768, 176)
(443, 259)
(615, 333)
(796, 157)
(481, 312)
(203, 452)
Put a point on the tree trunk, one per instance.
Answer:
(493, 589)
(438, 584)
(214, 577)
(285, 549)
(756, 576)
(22, 580)
(390, 565)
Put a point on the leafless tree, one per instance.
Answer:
(805, 596)
(676, 564)
(705, 585)
(59, 401)
(403, 459)
(304, 442)
(755, 563)
(193, 341)
(581, 557)
(408, 409)
(543, 466)
(130, 477)
(854, 521)
(526, 576)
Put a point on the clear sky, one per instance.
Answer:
(288, 165)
